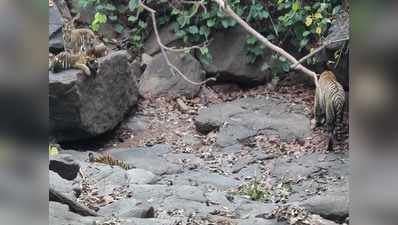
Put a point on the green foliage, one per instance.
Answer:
(53, 149)
(109, 160)
(99, 19)
(255, 191)
(296, 25)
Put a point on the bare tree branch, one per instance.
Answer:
(163, 48)
(327, 43)
(227, 9)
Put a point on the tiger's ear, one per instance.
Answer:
(77, 16)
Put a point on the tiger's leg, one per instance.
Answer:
(318, 114)
(338, 130)
(82, 67)
(330, 122)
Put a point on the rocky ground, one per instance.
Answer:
(229, 156)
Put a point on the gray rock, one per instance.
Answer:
(311, 174)
(256, 221)
(233, 148)
(63, 8)
(157, 79)
(190, 139)
(187, 207)
(137, 221)
(189, 193)
(107, 177)
(251, 171)
(146, 59)
(137, 123)
(64, 165)
(147, 158)
(310, 164)
(340, 29)
(205, 180)
(55, 20)
(61, 185)
(82, 107)
(168, 37)
(59, 214)
(126, 208)
(333, 207)
(254, 209)
(156, 194)
(244, 118)
(140, 176)
(56, 43)
(230, 61)
(221, 199)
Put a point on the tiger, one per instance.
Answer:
(98, 51)
(77, 40)
(67, 60)
(329, 106)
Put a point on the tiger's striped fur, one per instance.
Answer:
(329, 105)
(80, 40)
(66, 60)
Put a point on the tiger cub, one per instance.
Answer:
(67, 60)
(98, 51)
(80, 40)
(329, 105)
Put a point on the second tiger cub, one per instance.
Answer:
(329, 105)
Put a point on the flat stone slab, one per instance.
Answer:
(152, 159)
(246, 117)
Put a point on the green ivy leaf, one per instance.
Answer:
(109, 7)
(251, 40)
(136, 38)
(113, 18)
(193, 29)
(285, 66)
(303, 42)
(142, 24)
(211, 23)
(53, 150)
(133, 4)
(181, 33)
(132, 18)
(181, 20)
(119, 28)
(204, 31)
(306, 33)
(296, 6)
(225, 23)
(204, 50)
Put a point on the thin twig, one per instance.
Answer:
(316, 51)
(163, 48)
(227, 9)
(185, 49)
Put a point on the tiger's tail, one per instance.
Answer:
(339, 128)
(83, 67)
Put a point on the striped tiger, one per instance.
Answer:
(80, 40)
(66, 60)
(329, 106)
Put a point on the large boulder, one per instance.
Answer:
(230, 61)
(167, 36)
(339, 30)
(334, 207)
(244, 118)
(86, 106)
(157, 79)
(56, 43)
